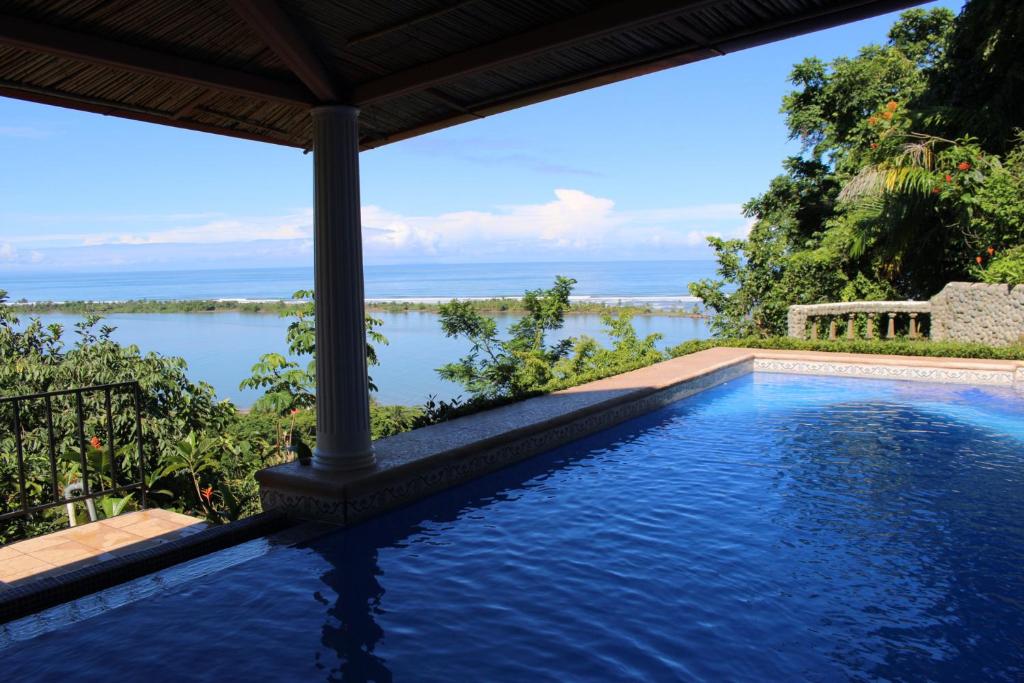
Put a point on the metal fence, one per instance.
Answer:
(31, 422)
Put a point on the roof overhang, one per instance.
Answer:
(253, 68)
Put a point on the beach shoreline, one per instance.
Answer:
(673, 306)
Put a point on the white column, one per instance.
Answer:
(342, 394)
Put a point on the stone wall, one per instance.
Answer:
(976, 312)
(962, 311)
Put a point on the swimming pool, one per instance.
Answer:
(776, 527)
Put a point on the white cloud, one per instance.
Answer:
(290, 227)
(573, 224)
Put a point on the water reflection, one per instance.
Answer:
(351, 632)
(893, 507)
(887, 535)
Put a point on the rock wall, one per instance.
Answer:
(976, 312)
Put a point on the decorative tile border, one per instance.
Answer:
(1004, 378)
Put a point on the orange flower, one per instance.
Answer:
(991, 250)
(872, 120)
(874, 145)
(978, 259)
(891, 106)
(949, 178)
(963, 165)
(95, 442)
(207, 492)
(886, 115)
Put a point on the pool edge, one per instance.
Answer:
(415, 464)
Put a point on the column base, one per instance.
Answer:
(337, 462)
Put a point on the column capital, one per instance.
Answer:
(334, 110)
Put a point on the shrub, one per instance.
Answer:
(1006, 267)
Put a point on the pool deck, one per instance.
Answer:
(415, 464)
(68, 550)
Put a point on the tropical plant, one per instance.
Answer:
(892, 197)
(521, 362)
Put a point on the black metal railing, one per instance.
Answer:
(35, 427)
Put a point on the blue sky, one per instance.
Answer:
(639, 170)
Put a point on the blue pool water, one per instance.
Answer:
(773, 528)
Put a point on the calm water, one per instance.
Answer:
(221, 348)
(845, 530)
(623, 279)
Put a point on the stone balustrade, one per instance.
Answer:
(880, 319)
(963, 311)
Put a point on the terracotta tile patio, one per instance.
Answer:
(70, 549)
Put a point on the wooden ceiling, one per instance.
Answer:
(253, 68)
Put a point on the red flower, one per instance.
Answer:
(874, 145)
(95, 442)
(207, 492)
(978, 259)
(295, 411)
(936, 190)
(963, 166)
(949, 178)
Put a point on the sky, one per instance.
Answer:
(645, 169)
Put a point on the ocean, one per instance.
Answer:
(221, 348)
(627, 279)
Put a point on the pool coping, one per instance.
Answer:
(48, 591)
(424, 461)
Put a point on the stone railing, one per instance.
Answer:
(963, 311)
(856, 319)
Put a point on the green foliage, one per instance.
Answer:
(521, 364)
(499, 367)
(286, 308)
(590, 360)
(978, 84)
(891, 199)
(894, 347)
(1006, 267)
(35, 359)
(287, 385)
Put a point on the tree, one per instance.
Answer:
(506, 368)
(287, 385)
(36, 359)
(884, 202)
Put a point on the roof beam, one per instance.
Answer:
(409, 23)
(119, 109)
(279, 32)
(29, 35)
(589, 26)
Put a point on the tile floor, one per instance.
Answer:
(70, 549)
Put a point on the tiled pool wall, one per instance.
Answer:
(917, 373)
(417, 464)
(368, 497)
